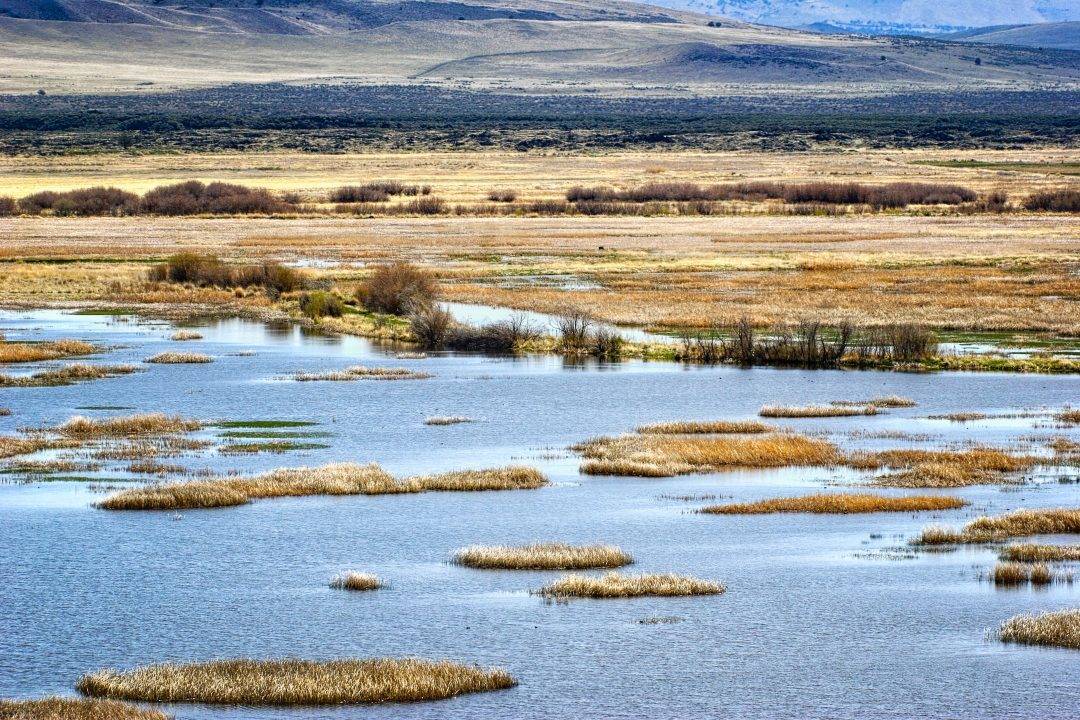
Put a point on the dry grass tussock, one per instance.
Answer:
(145, 425)
(17, 352)
(295, 682)
(816, 411)
(356, 581)
(706, 427)
(359, 372)
(667, 455)
(181, 335)
(1040, 553)
(179, 358)
(57, 708)
(1070, 417)
(1020, 523)
(542, 556)
(334, 479)
(1053, 629)
(67, 375)
(616, 585)
(886, 401)
(839, 503)
(943, 468)
(1016, 573)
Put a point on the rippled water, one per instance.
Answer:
(821, 620)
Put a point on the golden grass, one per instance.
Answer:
(1053, 629)
(18, 352)
(816, 411)
(706, 427)
(179, 358)
(57, 708)
(1071, 417)
(1016, 573)
(356, 581)
(542, 556)
(11, 446)
(616, 585)
(885, 401)
(1020, 523)
(358, 372)
(295, 682)
(839, 503)
(667, 455)
(181, 335)
(129, 426)
(505, 478)
(333, 479)
(67, 375)
(1028, 552)
(448, 420)
(943, 468)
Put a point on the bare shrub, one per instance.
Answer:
(505, 195)
(193, 198)
(431, 327)
(320, 303)
(8, 206)
(398, 289)
(1060, 200)
(209, 271)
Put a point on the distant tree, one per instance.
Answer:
(41, 91)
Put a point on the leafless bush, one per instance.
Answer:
(1060, 200)
(503, 196)
(398, 289)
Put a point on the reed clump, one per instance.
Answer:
(652, 455)
(360, 372)
(144, 425)
(885, 401)
(60, 708)
(617, 585)
(707, 427)
(67, 375)
(1020, 523)
(356, 581)
(1031, 553)
(1052, 629)
(1017, 573)
(448, 420)
(18, 352)
(1070, 417)
(512, 477)
(295, 682)
(181, 335)
(179, 358)
(816, 411)
(840, 504)
(542, 556)
(943, 468)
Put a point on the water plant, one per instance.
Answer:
(356, 581)
(542, 556)
(839, 503)
(1031, 553)
(1019, 523)
(706, 427)
(816, 411)
(1053, 629)
(179, 358)
(358, 372)
(617, 585)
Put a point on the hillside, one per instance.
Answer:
(1064, 35)
(516, 46)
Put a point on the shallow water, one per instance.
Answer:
(820, 620)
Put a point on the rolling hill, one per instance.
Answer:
(1063, 35)
(607, 48)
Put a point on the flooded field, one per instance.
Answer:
(823, 616)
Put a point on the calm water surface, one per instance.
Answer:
(822, 618)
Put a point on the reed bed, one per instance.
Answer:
(668, 455)
(943, 468)
(67, 375)
(292, 682)
(1052, 629)
(707, 427)
(839, 504)
(333, 479)
(816, 411)
(59, 708)
(616, 585)
(885, 401)
(512, 477)
(1031, 553)
(12, 446)
(356, 581)
(448, 420)
(359, 372)
(143, 425)
(1069, 417)
(182, 335)
(19, 352)
(542, 556)
(1013, 574)
(179, 358)
(1020, 523)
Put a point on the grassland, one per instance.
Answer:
(1006, 273)
(57, 708)
(295, 682)
(1052, 629)
(542, 556)
(615, 585)
(839, 504)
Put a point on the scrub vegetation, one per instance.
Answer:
(542, 556)
(295, 682)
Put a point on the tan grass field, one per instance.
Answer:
(1008, 272)
(295, 682)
